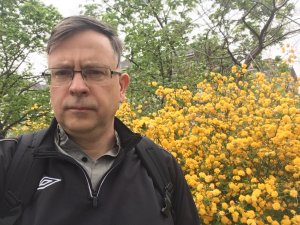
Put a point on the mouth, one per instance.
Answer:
(79, 109)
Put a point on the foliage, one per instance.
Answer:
(31, 124)
(243, 29)
(24, 27)
(162, 44)
(156, 42)
(238, 144)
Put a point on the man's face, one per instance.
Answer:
(79, 108)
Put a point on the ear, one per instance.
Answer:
(124, 83)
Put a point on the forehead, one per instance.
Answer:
(82, 35)
(83, 46)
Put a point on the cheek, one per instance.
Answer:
(111, 92)
(109, 96)
(55, 99)
(51, 97)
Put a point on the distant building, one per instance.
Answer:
(124, 64)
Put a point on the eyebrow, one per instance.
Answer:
(61, 65)
(87, 65)
(92, 65)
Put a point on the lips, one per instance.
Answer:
(79, 105)
(79, 108)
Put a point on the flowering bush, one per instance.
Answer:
(238, 142)
(41, 121)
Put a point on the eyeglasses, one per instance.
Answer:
(64, 76)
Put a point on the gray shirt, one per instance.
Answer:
(94, 168)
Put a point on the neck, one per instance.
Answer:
(96, 144)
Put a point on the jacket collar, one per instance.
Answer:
(128, 139)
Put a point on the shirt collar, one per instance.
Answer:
(66, 145)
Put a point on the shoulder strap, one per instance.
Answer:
(23, 177)
(157, 169)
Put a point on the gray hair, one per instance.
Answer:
(75, 24)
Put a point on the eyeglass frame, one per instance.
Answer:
(84, 77)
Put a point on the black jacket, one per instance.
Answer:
(125, 195)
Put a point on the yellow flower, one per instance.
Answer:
(241, 198)
(250, 214)
(216, 192)
(241, 173)
(235, 216)
(244, 70)
(248, 199)
(217, 171)
(251, 222)
(208, 178)
(154, 84)
(274, 194)
(225, 220)
(233, 69)
(293, 193)
(269, 219)
(248, 171)
(276, 206)
(286, 220)
(224, 205)
(254, 180)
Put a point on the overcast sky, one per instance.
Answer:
(71, 7)
(66, 7)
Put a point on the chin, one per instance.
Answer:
(77, 126)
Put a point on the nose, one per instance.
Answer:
(78, 85)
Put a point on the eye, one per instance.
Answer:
(61, 72)
(96, 73)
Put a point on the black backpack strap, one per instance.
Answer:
(150, 156)
(23, 177)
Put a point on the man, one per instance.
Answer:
(92, 173)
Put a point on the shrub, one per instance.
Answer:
(237, 141)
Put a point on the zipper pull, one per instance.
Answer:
(95, 201)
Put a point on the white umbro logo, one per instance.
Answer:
(46, 182)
